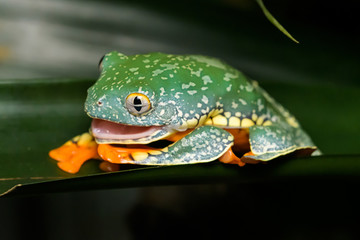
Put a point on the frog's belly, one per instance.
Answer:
(241, 139)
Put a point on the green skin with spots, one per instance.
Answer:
(186, 87)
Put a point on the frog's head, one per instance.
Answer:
(128, 103)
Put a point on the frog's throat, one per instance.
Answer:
(116, 133)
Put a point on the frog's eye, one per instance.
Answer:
(137, 103)
(100, 63)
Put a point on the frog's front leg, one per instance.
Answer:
(75, 152)
(204, 144)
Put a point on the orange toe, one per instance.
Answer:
(245, 158)
(65, 152)
(230, 158)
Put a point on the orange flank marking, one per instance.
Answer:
(72, 156)
(126, 153)
(179, 135)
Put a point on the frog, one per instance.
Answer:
(203, 108)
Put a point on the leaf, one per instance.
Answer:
(271, 18)
(40, 115)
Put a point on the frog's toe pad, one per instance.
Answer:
(69, 167)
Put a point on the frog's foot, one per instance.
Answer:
(75, 152)
(229, 157)
(248, 158)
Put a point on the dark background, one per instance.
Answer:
(65, 39)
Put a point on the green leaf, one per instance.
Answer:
(271, 18)
(40, 115)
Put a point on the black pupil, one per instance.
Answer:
(137, 102)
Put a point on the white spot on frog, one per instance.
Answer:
(234, 105)
(249, 88)
(209, 61)
(180, 113)
(166, 68)
(162, 91)
(205, 99)
(133, 69)
(177, 95)
(206, 79)
(186, 86)
(260, 105)
(229, 88)
(229, 76)
(192, 92)
(242, 101)
(196, 73)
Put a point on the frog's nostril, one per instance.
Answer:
(99, 103)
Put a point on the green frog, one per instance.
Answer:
(204, 108)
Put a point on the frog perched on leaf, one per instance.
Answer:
(206, 109)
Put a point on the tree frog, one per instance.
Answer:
(206, 109)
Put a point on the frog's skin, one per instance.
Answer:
(206, 107)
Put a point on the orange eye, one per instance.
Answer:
(137, 103)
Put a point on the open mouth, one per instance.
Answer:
(110, 132)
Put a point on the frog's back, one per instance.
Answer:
(241, 102)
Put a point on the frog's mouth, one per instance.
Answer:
(117, 133)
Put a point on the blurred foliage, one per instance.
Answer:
(271, 18)
(65, 39)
